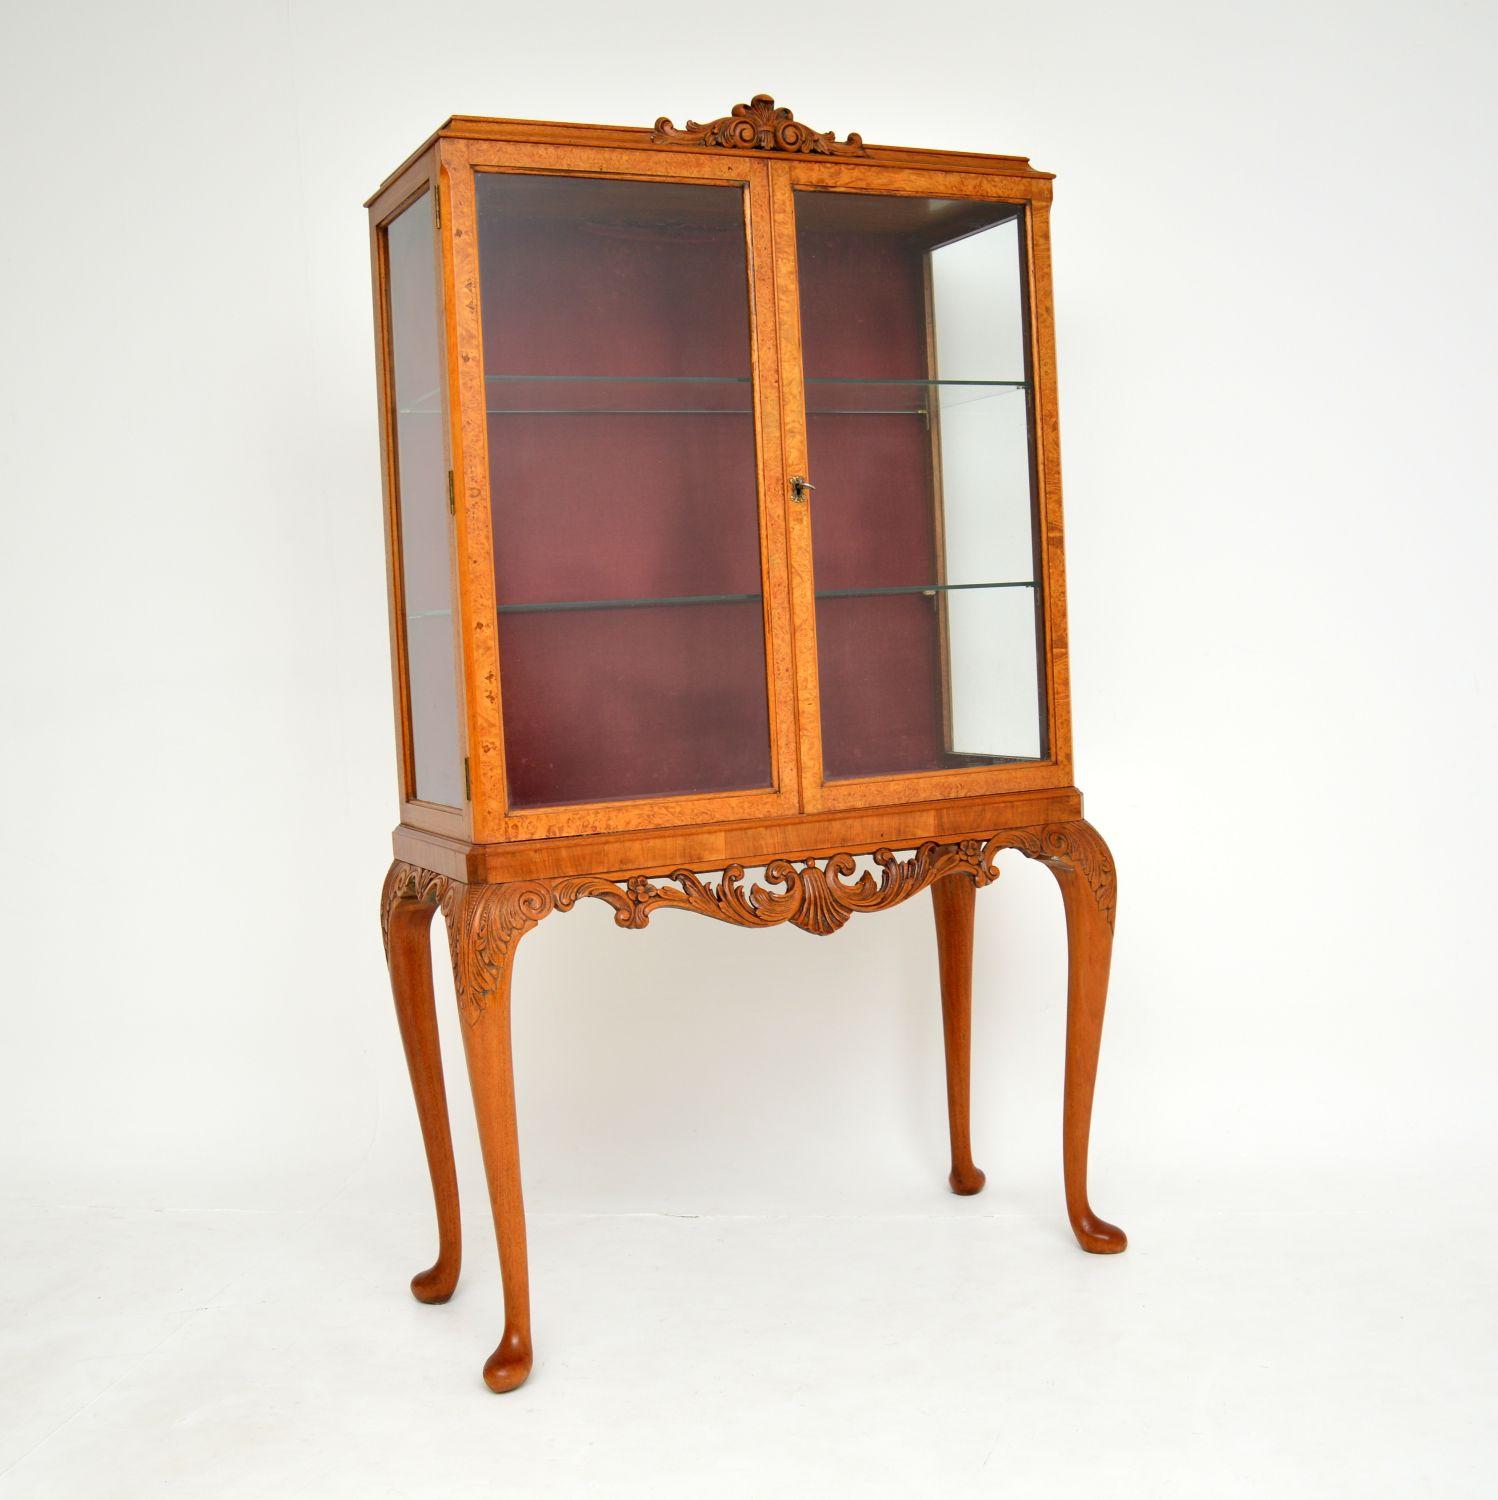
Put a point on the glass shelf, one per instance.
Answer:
(574, 605)
(930, 590)
(712, 395)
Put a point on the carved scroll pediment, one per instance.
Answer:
(760, 126)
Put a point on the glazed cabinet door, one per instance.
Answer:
(414, 430)
(917, 393)
(629, 612)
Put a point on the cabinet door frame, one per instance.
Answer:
(493, 818)
(1034, 195)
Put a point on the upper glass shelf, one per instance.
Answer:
(929, 590)
(713, 395)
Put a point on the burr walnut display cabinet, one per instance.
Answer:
(723, 511)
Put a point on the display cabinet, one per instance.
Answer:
(723, 512)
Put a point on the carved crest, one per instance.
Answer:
(760, 126)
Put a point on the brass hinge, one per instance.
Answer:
(452, 498)
(437, 205)
(467, 781)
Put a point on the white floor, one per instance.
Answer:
(953, 1353)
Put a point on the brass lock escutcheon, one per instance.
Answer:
(801, 486)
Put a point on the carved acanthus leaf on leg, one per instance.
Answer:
(484, 922)
(404, 883)
(1077, 846)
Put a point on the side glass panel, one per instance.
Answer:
(913, 326)
(421, 483)
(623, 487)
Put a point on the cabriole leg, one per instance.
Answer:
(407, 907)
(484, 924)
(1083, 867)
(953, 898)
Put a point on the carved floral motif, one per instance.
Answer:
(485, 922)
(760, 126)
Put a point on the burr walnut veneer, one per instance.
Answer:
(723, 511)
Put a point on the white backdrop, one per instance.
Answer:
(1274, 239)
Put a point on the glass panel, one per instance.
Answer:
(913, 328)
(624, 487)
(421, 479)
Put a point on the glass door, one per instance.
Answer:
(635, 587)
(918, 395)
